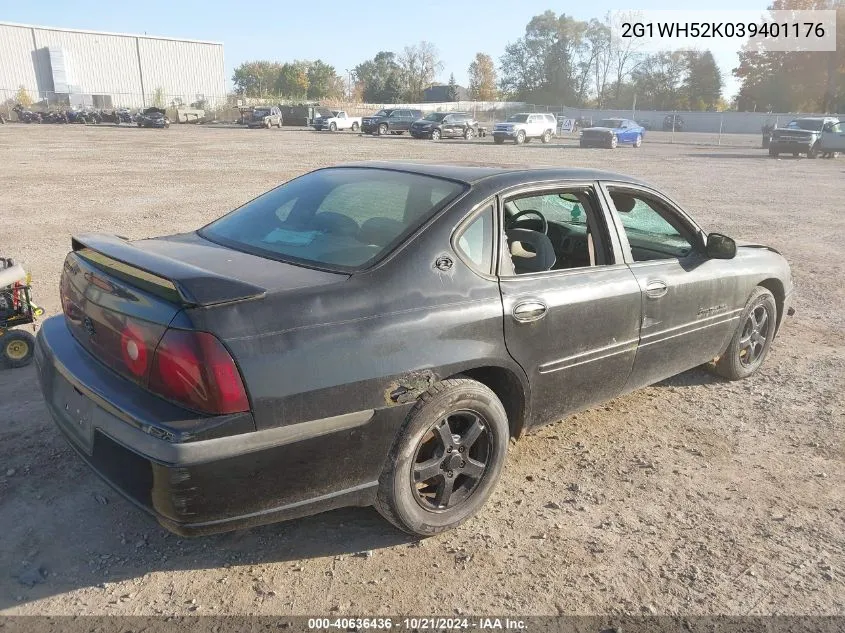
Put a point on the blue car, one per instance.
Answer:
(612, 132)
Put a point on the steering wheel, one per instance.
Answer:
(513, 220)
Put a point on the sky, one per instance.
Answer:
(342, 34)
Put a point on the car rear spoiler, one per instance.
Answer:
(165, 276)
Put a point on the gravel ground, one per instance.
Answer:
(693, 496)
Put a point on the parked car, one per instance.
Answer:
(612, 132)
(799, 136)
(521, 128)
(833, 139)
(338, 120)
(390, 121)
(151, 117)
(673, 122)
(437, 125)
(356, 337)
(265, 116)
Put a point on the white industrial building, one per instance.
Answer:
(108, 69)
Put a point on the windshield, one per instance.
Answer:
(806, 124)
(342, 218)
(609, 123)
(518, 118)
(436, 116)
(383, 113)
(261, 112)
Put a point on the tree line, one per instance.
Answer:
(560, 60)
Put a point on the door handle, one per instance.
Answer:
(528, 311)
(656, 289)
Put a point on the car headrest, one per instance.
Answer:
(380, 231)
(335, 223)
(543, 257)
(623, 202)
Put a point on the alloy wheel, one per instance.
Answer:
(754, 334)
(451, 460)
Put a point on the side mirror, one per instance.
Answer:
(720, 247)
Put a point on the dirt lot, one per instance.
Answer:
(694, 496)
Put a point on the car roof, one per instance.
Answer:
(472, 173)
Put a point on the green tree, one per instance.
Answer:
(323, 81)
(256, 79)
(658, 82)
(482, 78)
(379, 78)
(551, 63)
(452, 93)
(794, 81)
(703, 83)
(292, 79)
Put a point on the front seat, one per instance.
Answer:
(525, 261)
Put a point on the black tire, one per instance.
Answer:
(355, 126)
(469, 134)
(17, 347)
(614, 142)
(638, 142)
(520, 137)
(547, 137)
(383, 129)
(332, 127)
(746, 353)
(435, 134)
(498, 140)
(466, 407)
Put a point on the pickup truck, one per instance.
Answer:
(338, 121)
(801, 136)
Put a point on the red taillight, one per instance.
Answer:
(194, 369)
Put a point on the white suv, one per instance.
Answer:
(521, 128)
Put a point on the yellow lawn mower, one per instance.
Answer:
(16, 308)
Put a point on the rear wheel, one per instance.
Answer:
(355, 127)
(547, 137)
(446, 459)
(17, 347)
(751, 341)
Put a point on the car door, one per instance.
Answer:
(407, 117)
(690, 304)
(833, 137)
(573, 330)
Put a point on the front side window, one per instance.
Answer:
(342, 218)
(652, 229)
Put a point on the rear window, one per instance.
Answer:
(343, 218)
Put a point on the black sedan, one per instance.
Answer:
(153, 117)
(374, 334)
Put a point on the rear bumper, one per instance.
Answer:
(229, 477)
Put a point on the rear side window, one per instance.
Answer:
(475, 241)
(343, 218)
